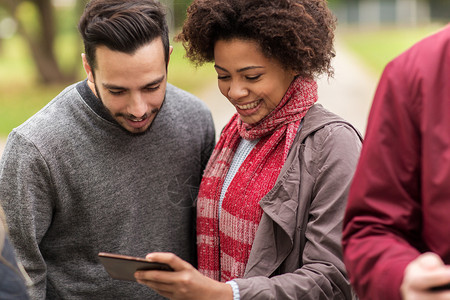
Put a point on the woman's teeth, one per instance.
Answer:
(249, 106)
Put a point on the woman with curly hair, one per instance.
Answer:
(272, 198)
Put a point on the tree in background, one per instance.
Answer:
(176, 12)
(440, 10)
(38, 24)
(40, 32)
(41, 27)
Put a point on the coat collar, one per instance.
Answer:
(282, 209)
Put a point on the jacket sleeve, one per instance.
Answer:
(26, 196)
(382, 222)
(331, 161)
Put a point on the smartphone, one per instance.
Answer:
(123, 267)
(441, 288)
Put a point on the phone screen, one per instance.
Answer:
(441, 288)
(123, 267)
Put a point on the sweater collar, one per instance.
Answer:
(93, 102)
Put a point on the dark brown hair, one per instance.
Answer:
(122, 25)
(297, 33)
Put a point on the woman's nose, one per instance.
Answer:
(237, 90)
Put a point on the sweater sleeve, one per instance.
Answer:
(209, 141)
(382, 222)
(26, 195)
(322, 274)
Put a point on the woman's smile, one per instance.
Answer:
(253, 83)
(249, 105)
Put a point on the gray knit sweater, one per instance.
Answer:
(74, 183)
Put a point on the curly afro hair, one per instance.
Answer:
(297, 33)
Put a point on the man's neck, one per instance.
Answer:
(91, 85)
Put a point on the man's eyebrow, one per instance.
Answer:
(117, 87)
(240, 70)
(156, 81)
(112, 86)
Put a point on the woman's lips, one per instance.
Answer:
(249, 108)
(249, 105)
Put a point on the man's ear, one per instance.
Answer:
(87, 68)
(170, 53)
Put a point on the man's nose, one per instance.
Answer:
(137, 105)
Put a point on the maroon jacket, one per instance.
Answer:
(399, 201)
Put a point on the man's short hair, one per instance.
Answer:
(122, 25)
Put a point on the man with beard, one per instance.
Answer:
(112, 164)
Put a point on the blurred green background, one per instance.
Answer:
(40, 47)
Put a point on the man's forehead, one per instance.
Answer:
(155, 43)
(146, 60)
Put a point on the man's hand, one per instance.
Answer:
(422, 274)
(184, 283)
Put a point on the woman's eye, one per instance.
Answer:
(255, 77)
(222, 77)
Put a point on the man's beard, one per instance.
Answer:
(154, 111)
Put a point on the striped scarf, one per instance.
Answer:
(224, 246)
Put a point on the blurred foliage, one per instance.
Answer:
(21, 90)
(40, 24)
(376, 47)
(21, 100)
(29, 15)
(22, 94)
(186, 75)
(439, 10)
(177, 10)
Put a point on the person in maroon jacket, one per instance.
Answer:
(397, 223)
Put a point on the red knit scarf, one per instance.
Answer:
(224, 247)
